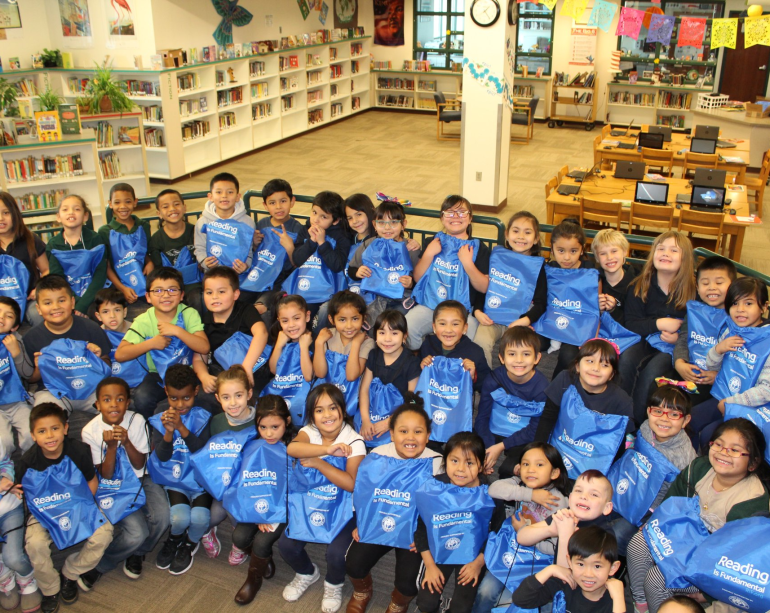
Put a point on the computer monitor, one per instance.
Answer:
(708, 198)
(709, 132)
(651, 193)
(709, 177)
(664, 130)
(650, 140)
(703, 145)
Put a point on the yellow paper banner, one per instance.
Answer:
(566, 8)
(549, 3)
(573, 8)
(724, 33)
(757, 31)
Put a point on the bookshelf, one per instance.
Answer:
(653, 104)
(413, 90)
(526, 88)
(574, 101)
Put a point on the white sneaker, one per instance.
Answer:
(332, 600)
(299, 585)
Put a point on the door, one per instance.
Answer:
(744, 71)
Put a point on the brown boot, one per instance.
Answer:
(253, 582)
(362, 594)
(398, 602)
(269, 569)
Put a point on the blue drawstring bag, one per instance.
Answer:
(673, 533)
(228, 240)
(186, 264)
(637, 478)
(572, 313)
(123, 494)
(132, 372)
(257, 494)
(176, 352)
(740, 369)
(386, 513)
(355, 286)
(314, 281)
(235, 348)
(11, 387)
(510, 414)
(70, 369)
(267, 263)
(456, 518)
(79, 266)
(62, 502)
(128, 254)
(704, 323)
(612, 331)
(318, 509)
(512, 282)
(177, 473)
(337, 363)
(383, 400)
(388, 260)
(726, 569)
(658, 343)
(446, 278)
(759, 416)
(447, 390)
(218, 461)
(509, 561)
(584, 438)
(289, 383)
(14, 281)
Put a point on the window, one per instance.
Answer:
(534, 34)
(438, 31)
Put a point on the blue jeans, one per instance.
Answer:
(639, 365)
(294, 554)
(138, 533)
(194, 519)
(14, 556)
(148, 394)
(491, 592)
(624, 531)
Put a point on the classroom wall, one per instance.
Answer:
(30, 38)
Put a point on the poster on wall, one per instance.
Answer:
(75, 23)
(324, 14)
(582, 46)
(9, 14)
(345, 13)
(389, 23)
(121, 28)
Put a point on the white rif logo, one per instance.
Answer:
(317, 519)
(65, 524)
(78, 384)
(304, 284)
(452, 544)
(388, 524)
(494, 302)
(562, 322)
(216, 251)
(176, 472)
(262, 506)
(441, 292)
(439, 417)
(735, 385)
(622, 486)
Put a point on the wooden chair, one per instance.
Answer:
(698, 160)
(606, 131)
(659, 158)
(562, 211)
(524, 115)
(447, 111)
(756, 185)
(563, 172)
(650, 216)
(552, 184)
(605, 214)
(598, 151)
(708, 224)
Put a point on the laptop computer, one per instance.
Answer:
(709, 132)
(623, 132)
(651, 193)
(650, 140)
(708, 199)
(709, 177)
(703, 145)
(574, 190)
(726, 144)
(664, 130)
(626, 145)
(630, 170)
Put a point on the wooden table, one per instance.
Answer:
(609, 188)
(737, 125)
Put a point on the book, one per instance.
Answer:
(66, 60)
(156, 61)
(48, 127)
(69, 118)
(24, 128)
(14, 63)
(539, 72)
(37, 60)
(128, 135)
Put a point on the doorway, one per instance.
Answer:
(744, 71)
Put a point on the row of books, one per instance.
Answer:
(140, 88)
(356, 49)
(289, 83)
(152, 113)
(315, 116)
(259, 90)
(45, 167)
(387, 83)
(110, 165)
(523, 91)
(287, 62)
(229, 97)
(77, 85)
(355, 103)
(632, 99)
(335, 71)
(25, 87)
(673, 121)
(355, 67)
(426, 103)
(53, 226)
(416, 65)
(288, 103)
(382, 64)
(314, 59)
(314, 97)
(153, 137)
(674, 100)
(226, 121)
(105, 134)
(256, 69)
(427, 86)
(332, 54)
(261, 111)
(585, 98)
(196, 129)
(399, 101)
(581, 79)
(192, 106)
(314, 77)
(42, 201)
(336, 109)
(334, 90)
(188, 81)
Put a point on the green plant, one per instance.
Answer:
(103, 93)
(51, 58)
(49, 99)
(7, 96)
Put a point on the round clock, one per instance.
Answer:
(513, 12)
(485, 12)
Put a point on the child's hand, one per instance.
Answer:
(708, 377)
(208, 383)
(465, 255)
(607, 302)
(367, 429)
(311, 462)
(305, 339)
(239, 266)
(95, 349)
(470, 367)
(545, 498)
(18, 491)
(168, 330)
(339, 450)
(492, 455)
(258, 236)
(12, 345)
(148, 268)
(364, 272)
(265, 527)
(483, 318)
(282, 340)
(721, 406)
(159, 342)
(108, 436)
(381, 427)
(426, 361)
(317, 235)
(412, 245)
(669, 337)
(406, 281)
(286, 241)
(469, 573)
(731, 343)
(168, 421)
(210, 262)
(565, 574)
(433, 249)
(129, 294)
(31, 295)
(688, 372)
(356, 538)
(518, 524)
(668, 324)
(359, 338)
(5, 484)
(433, 578)
(521, 321)
(617, 591)
(37, 357)
(323, 336)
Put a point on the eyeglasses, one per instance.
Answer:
(159, 291)
(381, 223)
(733, 453)
(461, 213)
(672, 415)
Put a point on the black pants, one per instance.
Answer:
(363, 557)
(462, 599)
(261, 543)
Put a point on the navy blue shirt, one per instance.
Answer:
(642, 315)
(466, 349)
(336, 258)
(405, 369)
(292, 225)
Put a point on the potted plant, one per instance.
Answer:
(104, 94)
(49, 99)
(7, 97)
(51, 58)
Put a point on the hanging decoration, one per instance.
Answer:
(574, 8)
(630, 22)
(660, 29)
(724, 33)
(691, 32)
(757, 31)
(549, 4)
(602, 14)
(653, 10)
(232, 15)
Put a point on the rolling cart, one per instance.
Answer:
(578, 95)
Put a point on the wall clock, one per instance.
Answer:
(485, 13)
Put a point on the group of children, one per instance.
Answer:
(332, 383)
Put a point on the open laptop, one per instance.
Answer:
(705, 177)
(703, 145)
(651, 193)
(573, 190)
(623, 132)
(726, 144)
(708, 132)
(708, 199)
(630, 170)
(650, 140)
(664, 130)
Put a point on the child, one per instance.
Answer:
(680, 604)
(731, 483)
(497, 422)
(463, 463)
(409, 433)
(127, 258)
(391, 371)
(141, 530)
(522, 237)
(610, 248)
(273, 426)
(469, 258)
(175, 239)
(16, 240)
(587, 585)
(326, 433)
(167, 319)
(712, 280)
(14, 404)
(655, 304)
(48, 423)
(181, 430)
(539, 491)
(326, 250)
(450, 325)
(72, 214)
(360, 214)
